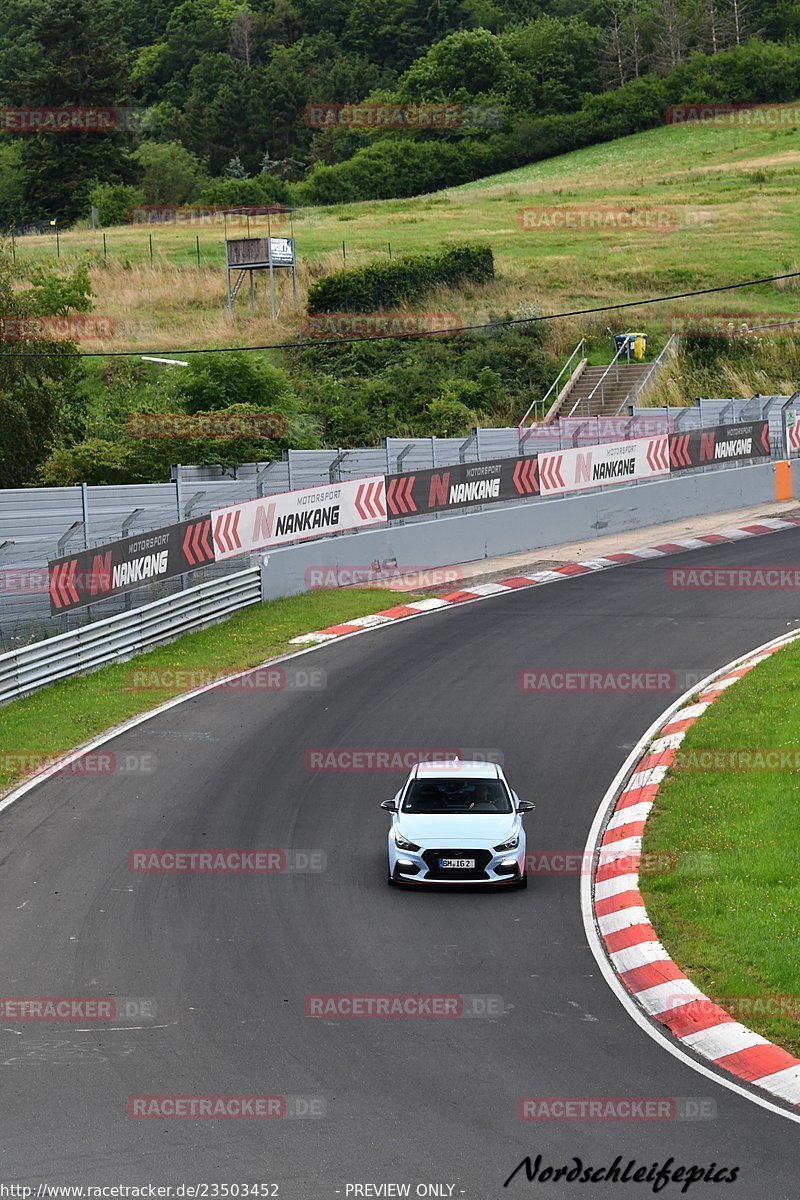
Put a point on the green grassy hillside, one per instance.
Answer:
(728, 197)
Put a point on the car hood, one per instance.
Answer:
(471, 829)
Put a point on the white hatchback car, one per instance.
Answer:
(457, 822)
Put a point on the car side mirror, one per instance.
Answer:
(525, 806)
(389, 805)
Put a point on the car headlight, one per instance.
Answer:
(403, 843)
(511, 844)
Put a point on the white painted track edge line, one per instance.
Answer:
(597, 946)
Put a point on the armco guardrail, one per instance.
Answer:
(117, 638)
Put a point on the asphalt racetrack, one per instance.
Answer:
(230, 959)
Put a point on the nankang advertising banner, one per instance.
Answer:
(76, 580)
(461, 486)
(718, 444)
(596, 466)
(295, 516)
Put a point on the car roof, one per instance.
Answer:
(457, 769)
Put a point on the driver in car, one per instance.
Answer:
(483, 798)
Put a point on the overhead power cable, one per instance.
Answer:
(412, 336)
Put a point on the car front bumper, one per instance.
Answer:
(407, 866)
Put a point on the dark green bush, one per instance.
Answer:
(385, 285)
(237, 193)
(116, 202)
(392, 167)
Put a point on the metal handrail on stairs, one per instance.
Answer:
(554, 385)
(670, 347)
(624, 349)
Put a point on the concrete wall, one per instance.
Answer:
(510, 528)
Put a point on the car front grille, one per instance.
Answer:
(482, 860)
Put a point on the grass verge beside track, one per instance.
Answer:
(66, 714)
(729, 915)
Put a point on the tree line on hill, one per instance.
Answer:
(219, 93)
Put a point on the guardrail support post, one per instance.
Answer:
(462, 450)
(336, 466)
(189, 505)
(260, 475)
(85, 510)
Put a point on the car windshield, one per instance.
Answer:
(428, 796)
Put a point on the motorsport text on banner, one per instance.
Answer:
(295, 516)
(607, 463)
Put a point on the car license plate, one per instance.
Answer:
(456, 864)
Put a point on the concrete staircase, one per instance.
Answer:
(619, 383)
